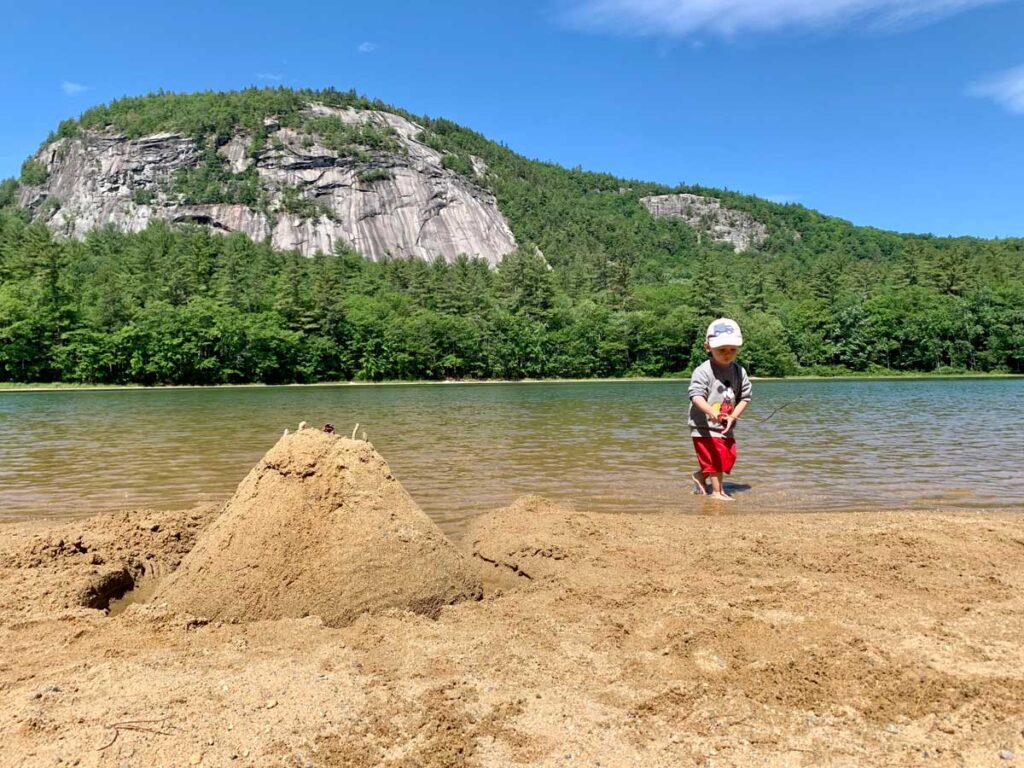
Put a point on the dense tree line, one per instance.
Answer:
(190, 307)
(615, 292)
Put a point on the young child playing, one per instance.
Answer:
(719, 394)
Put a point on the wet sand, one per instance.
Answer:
(856, 639)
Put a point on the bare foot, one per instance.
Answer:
(721, 497)
(698, 481)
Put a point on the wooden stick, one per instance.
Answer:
(762, 421)
(135, 725)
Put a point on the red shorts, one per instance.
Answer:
(715, 454)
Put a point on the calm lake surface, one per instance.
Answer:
(461, 449)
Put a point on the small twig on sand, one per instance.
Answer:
(141, 726)
(356, 427)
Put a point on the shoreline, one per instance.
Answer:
(703, 508)
(69, 387)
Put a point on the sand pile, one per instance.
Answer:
(536, 540)
(320, 527)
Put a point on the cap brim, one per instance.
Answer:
(726, 340)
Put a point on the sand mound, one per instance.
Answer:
(319, 527)
(536, 540)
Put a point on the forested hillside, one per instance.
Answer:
(598, 287)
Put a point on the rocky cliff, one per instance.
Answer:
(707, 215)
(377, 188)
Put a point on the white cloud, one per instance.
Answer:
(681, 18)
(1005, 88)
(71, 88)
(270, 76)
(367, 47)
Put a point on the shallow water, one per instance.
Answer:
(461, 448)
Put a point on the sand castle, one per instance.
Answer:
(319, 527)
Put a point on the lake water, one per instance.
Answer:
(461, 449)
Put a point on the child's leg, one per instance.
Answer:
(702, 447)
(726, 456)
(717, 491)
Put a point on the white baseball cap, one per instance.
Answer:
(724, 332)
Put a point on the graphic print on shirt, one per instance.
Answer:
(724, 406)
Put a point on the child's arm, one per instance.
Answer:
(703, 407)
(733, 417)
(745, 393)
(700, 388)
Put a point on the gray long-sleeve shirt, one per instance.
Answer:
(715, 384)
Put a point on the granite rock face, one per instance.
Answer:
(706, 214)
(381, 203)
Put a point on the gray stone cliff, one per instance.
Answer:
(706, 214)
(409, 204)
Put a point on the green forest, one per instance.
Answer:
(615, 293)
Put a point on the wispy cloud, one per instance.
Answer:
(1004, 88)
(681, 18)
(272, 76)
(367, 47)
(71, 88)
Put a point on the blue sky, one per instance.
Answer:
(900, 114)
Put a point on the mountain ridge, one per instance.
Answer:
(191, 113)
(222, 114)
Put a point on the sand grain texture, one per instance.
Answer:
(620, 641)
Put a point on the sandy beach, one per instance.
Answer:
(857, 639)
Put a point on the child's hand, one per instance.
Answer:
(727, 422)
(713, 416)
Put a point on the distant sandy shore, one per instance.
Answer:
(867, 639)
(61, 387)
